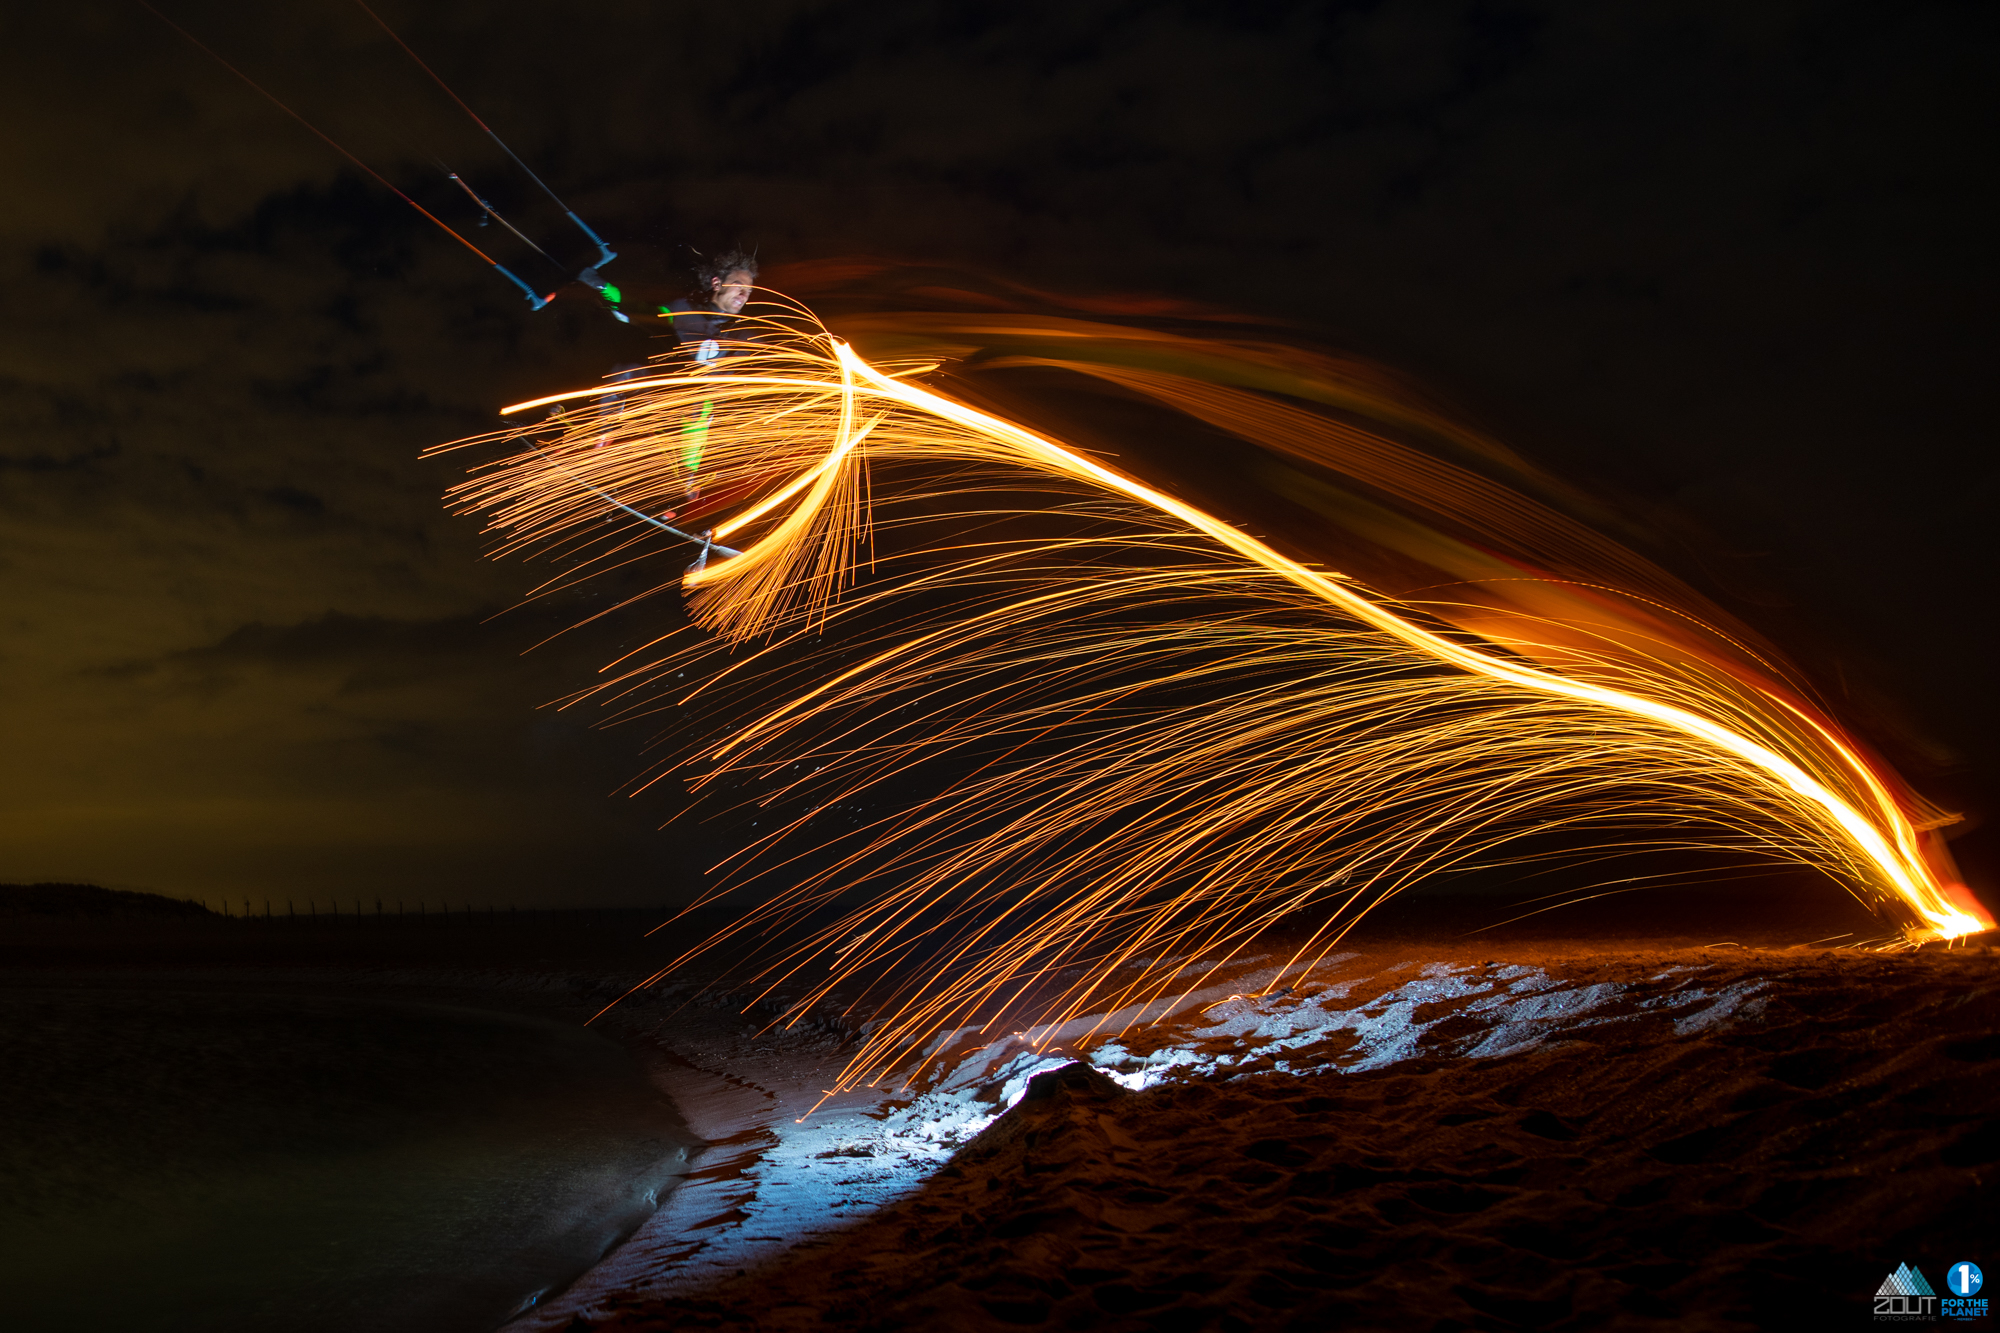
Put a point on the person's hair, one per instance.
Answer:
(709, 268)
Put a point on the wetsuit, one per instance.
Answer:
(698, 329)
(699, 332)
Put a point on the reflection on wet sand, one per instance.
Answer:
(328, 1150)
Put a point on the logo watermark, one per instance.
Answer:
(1963, 1281)
(1904, 1295)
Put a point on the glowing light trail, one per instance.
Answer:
(1901, 863)
(1176, 734)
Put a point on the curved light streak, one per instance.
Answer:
(795, 432)
(1900, 861)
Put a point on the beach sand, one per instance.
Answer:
(1547, 1134)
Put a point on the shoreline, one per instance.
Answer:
(779, 1219)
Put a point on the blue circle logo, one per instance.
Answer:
(1964, 1279)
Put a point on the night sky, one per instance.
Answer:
(1728, 265)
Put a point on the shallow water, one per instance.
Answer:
(222, 1161)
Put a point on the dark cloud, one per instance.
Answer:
(1728, 264)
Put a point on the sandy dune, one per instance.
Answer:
(1546, 1137)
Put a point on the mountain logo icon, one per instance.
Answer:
(1904, 1294)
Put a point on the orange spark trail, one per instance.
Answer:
(1901, 863)
(1172, 734)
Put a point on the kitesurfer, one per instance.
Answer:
(722, 284)
(700, 326)
(701, 323)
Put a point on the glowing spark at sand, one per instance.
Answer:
(1176, 734)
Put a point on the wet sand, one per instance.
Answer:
(246, 1128)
